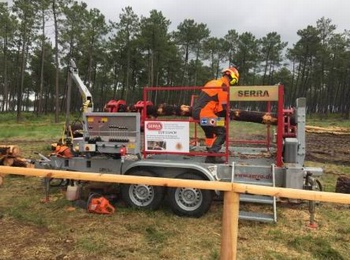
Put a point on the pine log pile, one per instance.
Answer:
(10, 156)
(335, 130)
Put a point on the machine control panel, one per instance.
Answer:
(110, 132)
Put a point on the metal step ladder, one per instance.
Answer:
(257, 199)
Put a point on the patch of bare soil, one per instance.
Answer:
(24, 241)
(328, 148)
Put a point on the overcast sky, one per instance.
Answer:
(259, 17)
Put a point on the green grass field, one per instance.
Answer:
(58, 229)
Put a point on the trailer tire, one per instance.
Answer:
(189, 202)
(142, 196)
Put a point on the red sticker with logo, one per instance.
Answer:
(156, 126)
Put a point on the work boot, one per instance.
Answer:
(213, 159)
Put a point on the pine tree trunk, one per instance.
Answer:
(56, 63)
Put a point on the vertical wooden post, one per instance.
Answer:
(229, 235)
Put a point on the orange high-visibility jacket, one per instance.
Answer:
(211, 100)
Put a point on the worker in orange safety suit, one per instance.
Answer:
(211, 104)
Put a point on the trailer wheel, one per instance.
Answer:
(189, 202)
(142, 196)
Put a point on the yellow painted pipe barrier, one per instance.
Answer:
(116, 178)
(231, 195)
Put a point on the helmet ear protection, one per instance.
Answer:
(233, 75)
(233, 81)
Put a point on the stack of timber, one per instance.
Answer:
(10, 156)
(335, 130)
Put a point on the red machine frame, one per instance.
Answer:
(284, 126)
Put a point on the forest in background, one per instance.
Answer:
(117, 59)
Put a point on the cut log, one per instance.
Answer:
(235, 114)
(8, 161)
(9, 150)
(164, 109)
(173, 110)
(343, 185)
(254, 117)
(20, 162)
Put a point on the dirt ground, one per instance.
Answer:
(328, 148)
(20, 240)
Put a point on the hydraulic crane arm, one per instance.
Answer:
(88, 105)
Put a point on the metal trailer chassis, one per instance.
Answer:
(188, 201)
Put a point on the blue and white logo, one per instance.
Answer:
(204, 121)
